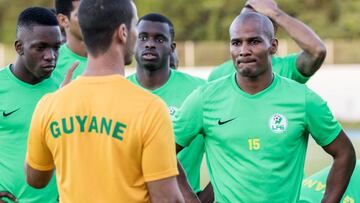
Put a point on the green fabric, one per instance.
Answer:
(284, 66)
(174, 92)
(65, 61)
(313, 187)
(255, 144)
(20, 98)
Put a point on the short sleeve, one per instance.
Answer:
(320, 122)
(159, 154)
(39, 156)
(286, 67)
(222, 70)
(188, 121)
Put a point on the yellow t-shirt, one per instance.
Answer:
(106, 137)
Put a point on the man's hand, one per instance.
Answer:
(313, 49)
(265, 7)
(5, 194)
(70, 73)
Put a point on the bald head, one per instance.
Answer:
(258, 21)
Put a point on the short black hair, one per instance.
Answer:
(98, 20)
(64, 7)
(156, 17)
(36, 16)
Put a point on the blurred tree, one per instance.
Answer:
(209, 20)
(9, 11)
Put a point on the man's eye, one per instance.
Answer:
(142, 38)
(235, 43)
(254, 42)
(40, 48)
(160, 40)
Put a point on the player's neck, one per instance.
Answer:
(254, 85)
(77, 46)
(152, 79)
(109, 63)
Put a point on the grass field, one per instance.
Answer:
(316, 159)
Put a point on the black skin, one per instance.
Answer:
(174, 61)
(207, 195)
(152, 51)
(313, 49)
(37, 48)
(251, 49)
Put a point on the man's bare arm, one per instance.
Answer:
(207, 195)
(186, 191)
(165, 190)
(37, 179)
(184, 185)
(342, 151)
(313, 49)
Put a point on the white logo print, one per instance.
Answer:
(172, 110)
(278, 123)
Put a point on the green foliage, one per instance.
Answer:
(9, 11)
(209, 20)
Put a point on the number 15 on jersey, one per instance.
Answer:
(254, 144)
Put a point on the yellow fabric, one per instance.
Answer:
(106, 137)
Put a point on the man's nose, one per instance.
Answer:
(150, 44)
(50, 54)
(244, 50)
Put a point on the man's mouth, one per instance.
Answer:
(245, 61)
(150, 56)
(48, 68)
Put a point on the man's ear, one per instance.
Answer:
(19, 47)
(63, 20)
(173, 46)
(274, 46)
(122, 33)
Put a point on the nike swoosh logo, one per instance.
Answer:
(9, 113)
(223, 122)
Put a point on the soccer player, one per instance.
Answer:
(154, 46)
(256, 125)
(313, 187)
(109, 140)
(22, 84)
(298, 66)
(74, 49)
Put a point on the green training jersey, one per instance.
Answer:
(65, 61)
(17, 103)
(284, 66)
(255, 144)
(313, 187)
(174, 92)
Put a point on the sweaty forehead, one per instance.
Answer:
(152, 27)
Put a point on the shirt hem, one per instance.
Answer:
(162, 175)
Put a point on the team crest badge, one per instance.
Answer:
(278, 123)
(172, 110)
